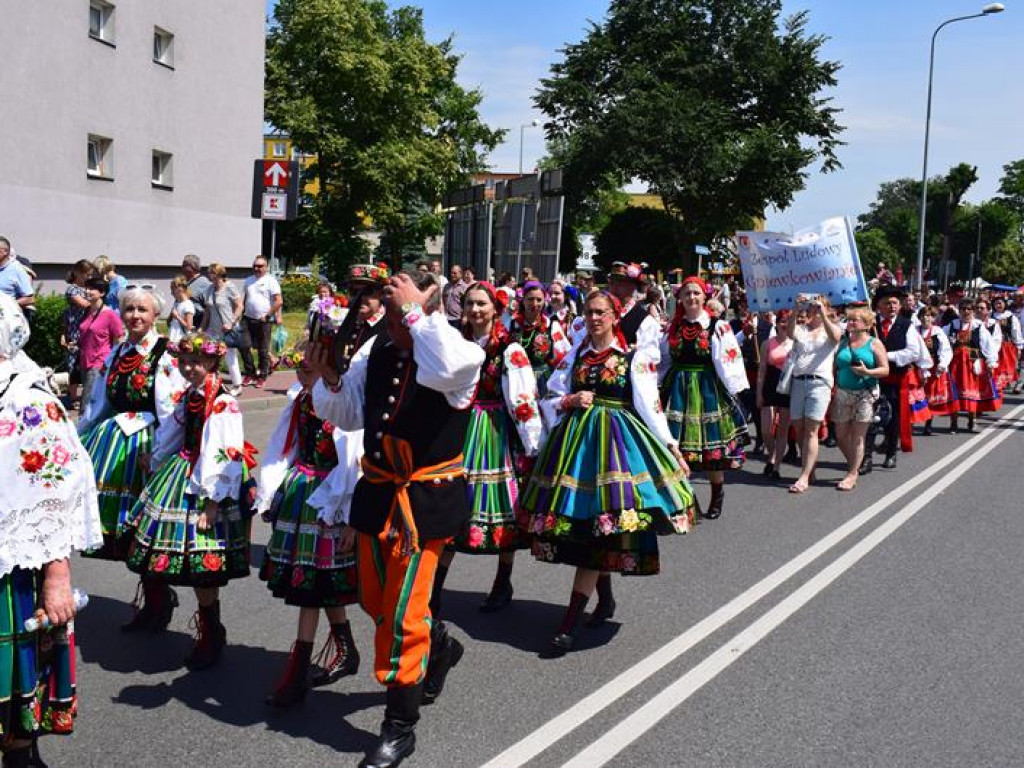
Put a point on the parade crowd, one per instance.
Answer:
(432, 418)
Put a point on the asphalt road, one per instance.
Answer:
(895, 643)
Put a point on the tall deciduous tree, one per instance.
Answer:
(718, 105)
(359, 86)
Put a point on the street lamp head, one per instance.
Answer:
(535, 122)
(993, 8)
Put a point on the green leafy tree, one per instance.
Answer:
(1005, 264)
(639, 234)
(361, 88)
(874, 248)
(717, 105)
(1011, 186)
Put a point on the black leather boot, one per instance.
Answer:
(445, 653)
(24, 757)
(211, 637)
(714, 510)
(154, 606)
(501, 591)
(339, 657)
(605, 608)
(398, 732)
(565, 638)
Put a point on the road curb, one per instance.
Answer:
(263, 403)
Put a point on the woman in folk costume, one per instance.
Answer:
(188, 527)
(610, 477)
(543, 338)
(937, 388)
(1009, 350)
(50, 510)
(134, 395)
(309, 472)
(702, 371)
(503, 437)
(972, 388)
(560, 306)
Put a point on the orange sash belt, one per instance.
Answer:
(400, 527)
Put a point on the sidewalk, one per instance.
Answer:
(271, 396)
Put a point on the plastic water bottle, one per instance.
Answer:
(35, 623)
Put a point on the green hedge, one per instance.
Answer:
(297, 291)
(44, 343)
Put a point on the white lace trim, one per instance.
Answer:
(47, 531)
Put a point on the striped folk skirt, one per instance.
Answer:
(303, 563)
(165, 542)
(491, 482)
(37, 669)
(705, 419)
(119, 479)
(602, 490)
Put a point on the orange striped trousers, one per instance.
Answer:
(395, 591)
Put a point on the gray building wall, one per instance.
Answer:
(58, 85)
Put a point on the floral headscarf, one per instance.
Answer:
(680, 312)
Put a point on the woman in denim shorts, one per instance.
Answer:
(860, 362)
(815, 338)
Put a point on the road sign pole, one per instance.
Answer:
(273, 245)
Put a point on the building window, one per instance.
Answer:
(100, 158)
(163, 47)
(280, 149)
(162, 170)
(101, 21)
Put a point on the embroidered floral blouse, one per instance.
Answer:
(507, 378)
(49, 503)
(138, 386)
(545, 343)
(302, 437)
(214, 443)
(619, 377)
(707, 343)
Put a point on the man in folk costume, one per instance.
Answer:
(624, 283)
(409, 390)
(905, 348)
(365, 286)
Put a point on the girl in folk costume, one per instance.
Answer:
(702, 371)
(135, 394)
(49, 510)
(1009, 350)
(560, 306)
(305, 492)
(970, 382)
(503, 437)
(937, 388)
(610, 477)
(188, 527)
(543, 339)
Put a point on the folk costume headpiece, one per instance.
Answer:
(200, 345)
(365, 275)
(632, 271)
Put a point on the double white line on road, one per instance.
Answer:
(632, 727)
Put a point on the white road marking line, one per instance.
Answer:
(647, 716)
(561, 725)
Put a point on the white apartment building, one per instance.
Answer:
(129, 129)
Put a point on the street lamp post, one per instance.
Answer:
(988, 10)
(532, 124)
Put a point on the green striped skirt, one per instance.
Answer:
(602, 490)
(705, 419)
(491, 483)
(303, 563)
(37, 669)
(165, 542)
(119, 479)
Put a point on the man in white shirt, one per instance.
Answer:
(262, 302)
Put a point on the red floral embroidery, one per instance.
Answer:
(234, 454)
(32, 461)
(519, 359)
(161, 563)
(220, 406)
(138, 381)
(212, 562)
(524, 412)
(731, 353)
(54, 412)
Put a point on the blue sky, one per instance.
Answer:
(978, 102)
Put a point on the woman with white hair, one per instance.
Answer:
(49, 509)
(138, 388)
